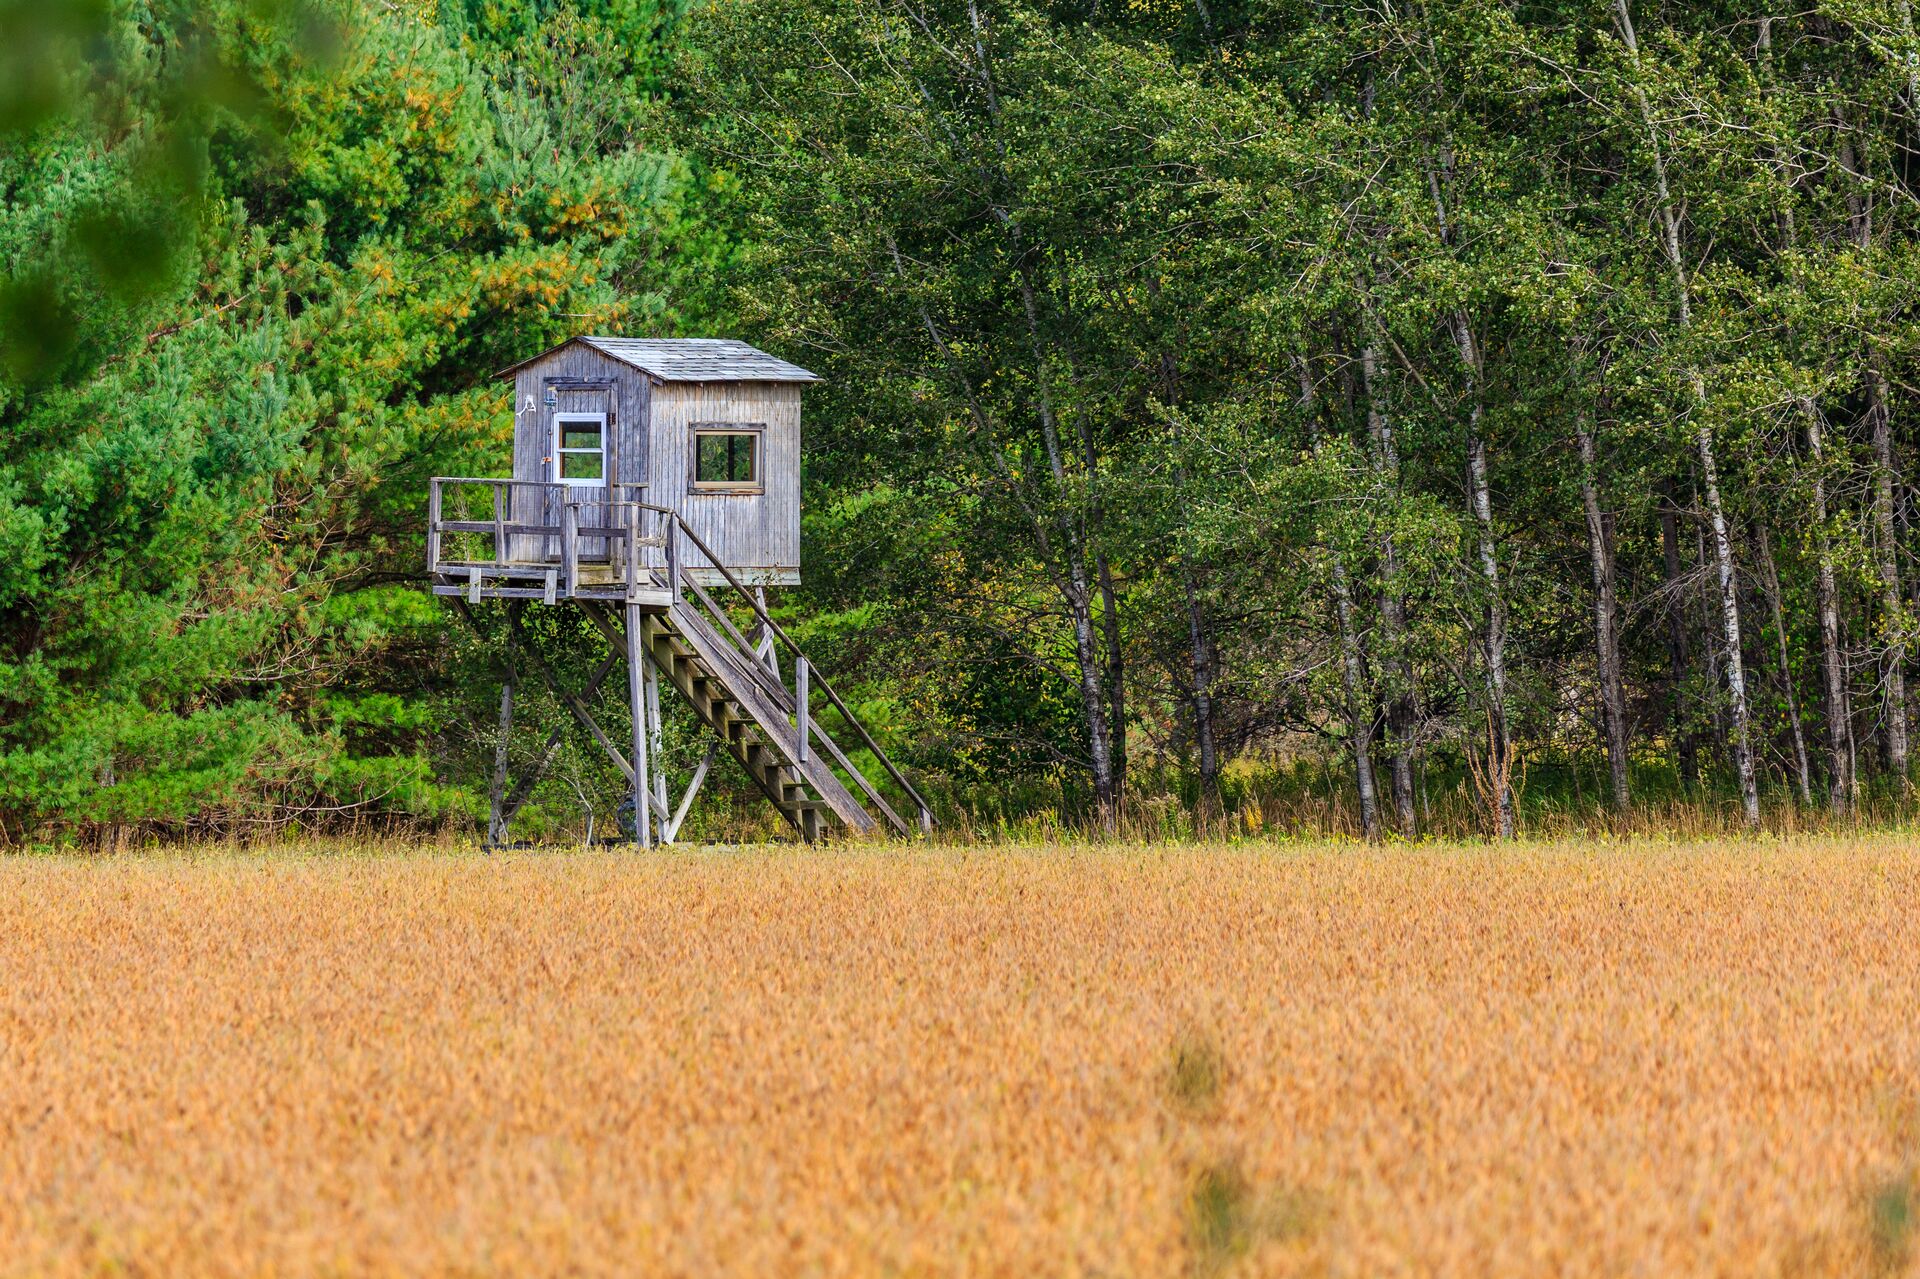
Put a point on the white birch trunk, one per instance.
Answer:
(1728, 578)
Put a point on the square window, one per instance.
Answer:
(724, 459)
(579, 448)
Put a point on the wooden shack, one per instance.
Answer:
(656, 487)
(706, 427)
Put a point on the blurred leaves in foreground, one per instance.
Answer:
(111, 109)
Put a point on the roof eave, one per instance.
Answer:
(512, 369)
(657, 378)
(720, 381)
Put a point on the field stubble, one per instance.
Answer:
(1634, 1059)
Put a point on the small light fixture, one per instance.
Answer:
(552, 401)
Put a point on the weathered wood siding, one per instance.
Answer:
(757, 534)
(651, 442)
(625, 404)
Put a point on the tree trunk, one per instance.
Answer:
(1606, 615)
(1201, 661)
(1770, 580)
(1353, 678)
(1079, 592)
(1499, 735)
(1703, 441)
(1393, 600)
(1073, 586)
(1080, 584)
(1686, 747)
(1839, 713)
(1736, 674)
(1886, 546)
(1093, 706)
(1679, 663)
(1709, 610)
(1893, 656)
(1359, 715)
(1116, 682)
(496, 793)
(1200, 676)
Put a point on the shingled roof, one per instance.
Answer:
(688, 359)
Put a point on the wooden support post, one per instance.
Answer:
(656, 744)
(518, 642)
(570, 544)
(800, 706)
(693, 788)
(530, 777)
(500, 524)
(571, 701)
(637, 701)
(550, 520)
(551, 592)
(433, 527)
(767, 649)
(473, 583)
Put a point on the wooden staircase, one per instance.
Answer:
(752, 715)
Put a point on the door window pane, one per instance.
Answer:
(579, 449)
(580, 466)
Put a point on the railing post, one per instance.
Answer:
(433, 527)
(570, 544)
(768, 651)
(633, 554)
(637, 702)
(672, 523)
(800, 680)
(499, 524)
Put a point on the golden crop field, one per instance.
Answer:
(1629, 1059)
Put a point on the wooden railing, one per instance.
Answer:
(619, 524)
(628, 528)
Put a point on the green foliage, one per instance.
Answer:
(1158, 339)
(210, 493)
(1095, 289)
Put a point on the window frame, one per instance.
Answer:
(756, 431)
(561, 419)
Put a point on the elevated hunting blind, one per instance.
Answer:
(656, 486)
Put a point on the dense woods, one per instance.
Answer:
(1405, 419)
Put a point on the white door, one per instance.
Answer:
(579, 452)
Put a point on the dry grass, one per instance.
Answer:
(1640, 1059)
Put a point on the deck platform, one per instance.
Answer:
(547, 582)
